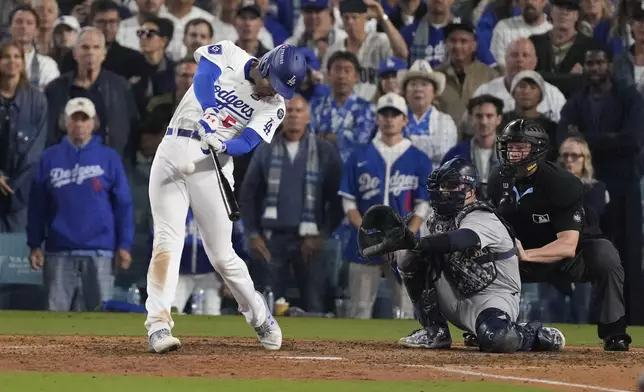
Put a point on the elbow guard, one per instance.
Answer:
(449, 242)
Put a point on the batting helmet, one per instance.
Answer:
(448, 186)
(285, 68)
(522, 131)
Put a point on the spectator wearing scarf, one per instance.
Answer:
(289, 204)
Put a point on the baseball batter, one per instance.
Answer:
(235, 102)
(465, 271)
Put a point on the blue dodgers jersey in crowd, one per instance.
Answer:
(353, 124)
(80, 199)
(434, 51)
(362, 181)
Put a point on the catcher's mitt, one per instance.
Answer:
(383, 231)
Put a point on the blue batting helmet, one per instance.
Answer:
(285, 68)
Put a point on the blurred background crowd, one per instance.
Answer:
(88, 87)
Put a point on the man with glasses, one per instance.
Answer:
(184, 72)
(155, 35)
(129, 63)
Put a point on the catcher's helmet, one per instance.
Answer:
(448, 186)
(522, 131)
(380, 224)
(285, 68)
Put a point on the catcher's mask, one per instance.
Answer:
(521, 131)
(380, 224)
(449, 184)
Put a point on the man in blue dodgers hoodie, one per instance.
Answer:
(80, 208)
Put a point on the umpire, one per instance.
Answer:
(544, 205)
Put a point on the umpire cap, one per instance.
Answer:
(285, 68)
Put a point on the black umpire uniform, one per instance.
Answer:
(541, 200)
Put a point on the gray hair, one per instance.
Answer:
(87, 30)
(41, 3)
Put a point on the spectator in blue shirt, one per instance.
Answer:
(80, 211)
(23, 130)
(343, 117)
(388, 76)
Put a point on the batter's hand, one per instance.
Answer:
(37, 259)
(208, 123)
(209, 140)
(123, 259)
(258, 246)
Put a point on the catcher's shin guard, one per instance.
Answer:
(416, 277)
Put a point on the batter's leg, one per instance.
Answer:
(216, 230)
(169, 203)
(497, 333)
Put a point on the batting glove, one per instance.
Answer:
(208, 123)
(209, 140)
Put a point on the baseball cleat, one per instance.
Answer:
(270, 334)
(555, 338)
(162, 341)
(619, 342)
(432, 337)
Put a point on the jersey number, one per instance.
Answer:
(229, 122)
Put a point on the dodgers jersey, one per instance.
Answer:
(239, 106)
(378, 174)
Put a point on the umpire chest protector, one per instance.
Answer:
(470, 270)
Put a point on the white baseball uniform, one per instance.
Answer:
(172, 192)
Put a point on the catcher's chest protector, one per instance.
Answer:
(470, 270)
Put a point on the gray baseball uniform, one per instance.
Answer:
(504, 293)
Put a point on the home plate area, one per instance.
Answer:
(574, 369)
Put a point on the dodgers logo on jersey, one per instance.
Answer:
(214, 49)
(368, 186)
(233, 103)
(399, 183)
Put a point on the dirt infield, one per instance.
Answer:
(306, 359)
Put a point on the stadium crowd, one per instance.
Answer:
(88, 87)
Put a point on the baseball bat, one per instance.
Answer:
(232, 208)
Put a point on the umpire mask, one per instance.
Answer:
(449, 185)
(515, 162)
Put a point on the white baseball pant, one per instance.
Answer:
(209, 283)
(171, 193)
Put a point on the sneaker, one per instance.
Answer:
(556, 341)
(618, 342)
(433, 337)
(469, 340)
(270, 334)
(162, 341)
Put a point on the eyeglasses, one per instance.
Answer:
(147, 33)
(572, 156)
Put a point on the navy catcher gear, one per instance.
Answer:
(285, 68)
(448, 186)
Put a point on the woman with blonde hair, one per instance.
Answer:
(23, 130)
(575, 156)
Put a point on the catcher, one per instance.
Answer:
(465, 271)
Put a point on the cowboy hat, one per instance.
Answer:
(421, 69)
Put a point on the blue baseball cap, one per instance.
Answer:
(391, 64)
(311, 59)
(314, 4)
(285, 68)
